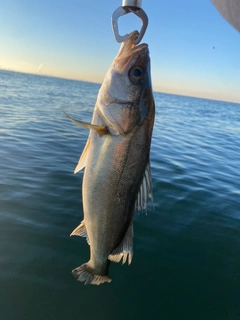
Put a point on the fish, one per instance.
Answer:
(117, 176)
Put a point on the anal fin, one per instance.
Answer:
(80, 231)
(124, 251)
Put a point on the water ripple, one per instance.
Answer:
(193, 233)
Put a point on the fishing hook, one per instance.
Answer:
(128, 6)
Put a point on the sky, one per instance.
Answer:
(193, 50)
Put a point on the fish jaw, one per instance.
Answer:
(127, 51)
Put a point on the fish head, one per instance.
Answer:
(125, 98)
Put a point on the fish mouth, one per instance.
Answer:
(127, 50)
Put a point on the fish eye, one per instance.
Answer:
(136, 74)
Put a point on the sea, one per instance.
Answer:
(186, 262)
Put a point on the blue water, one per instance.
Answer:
(186, 263)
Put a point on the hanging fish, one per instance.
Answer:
(117, 175)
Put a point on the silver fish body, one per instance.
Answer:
(116, 162)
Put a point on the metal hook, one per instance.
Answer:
(132, 3)
(134, 7)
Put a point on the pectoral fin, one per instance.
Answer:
(125, 250)
(83, 159)
(80, 231)
(145, 191)
(101, 130)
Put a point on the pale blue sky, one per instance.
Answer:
(74, 39)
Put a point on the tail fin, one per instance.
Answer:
(85, 274)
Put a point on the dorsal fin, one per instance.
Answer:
(125, 250)
(145, 191)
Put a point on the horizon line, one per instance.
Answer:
(99, 83)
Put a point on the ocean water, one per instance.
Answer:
(186, 263)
